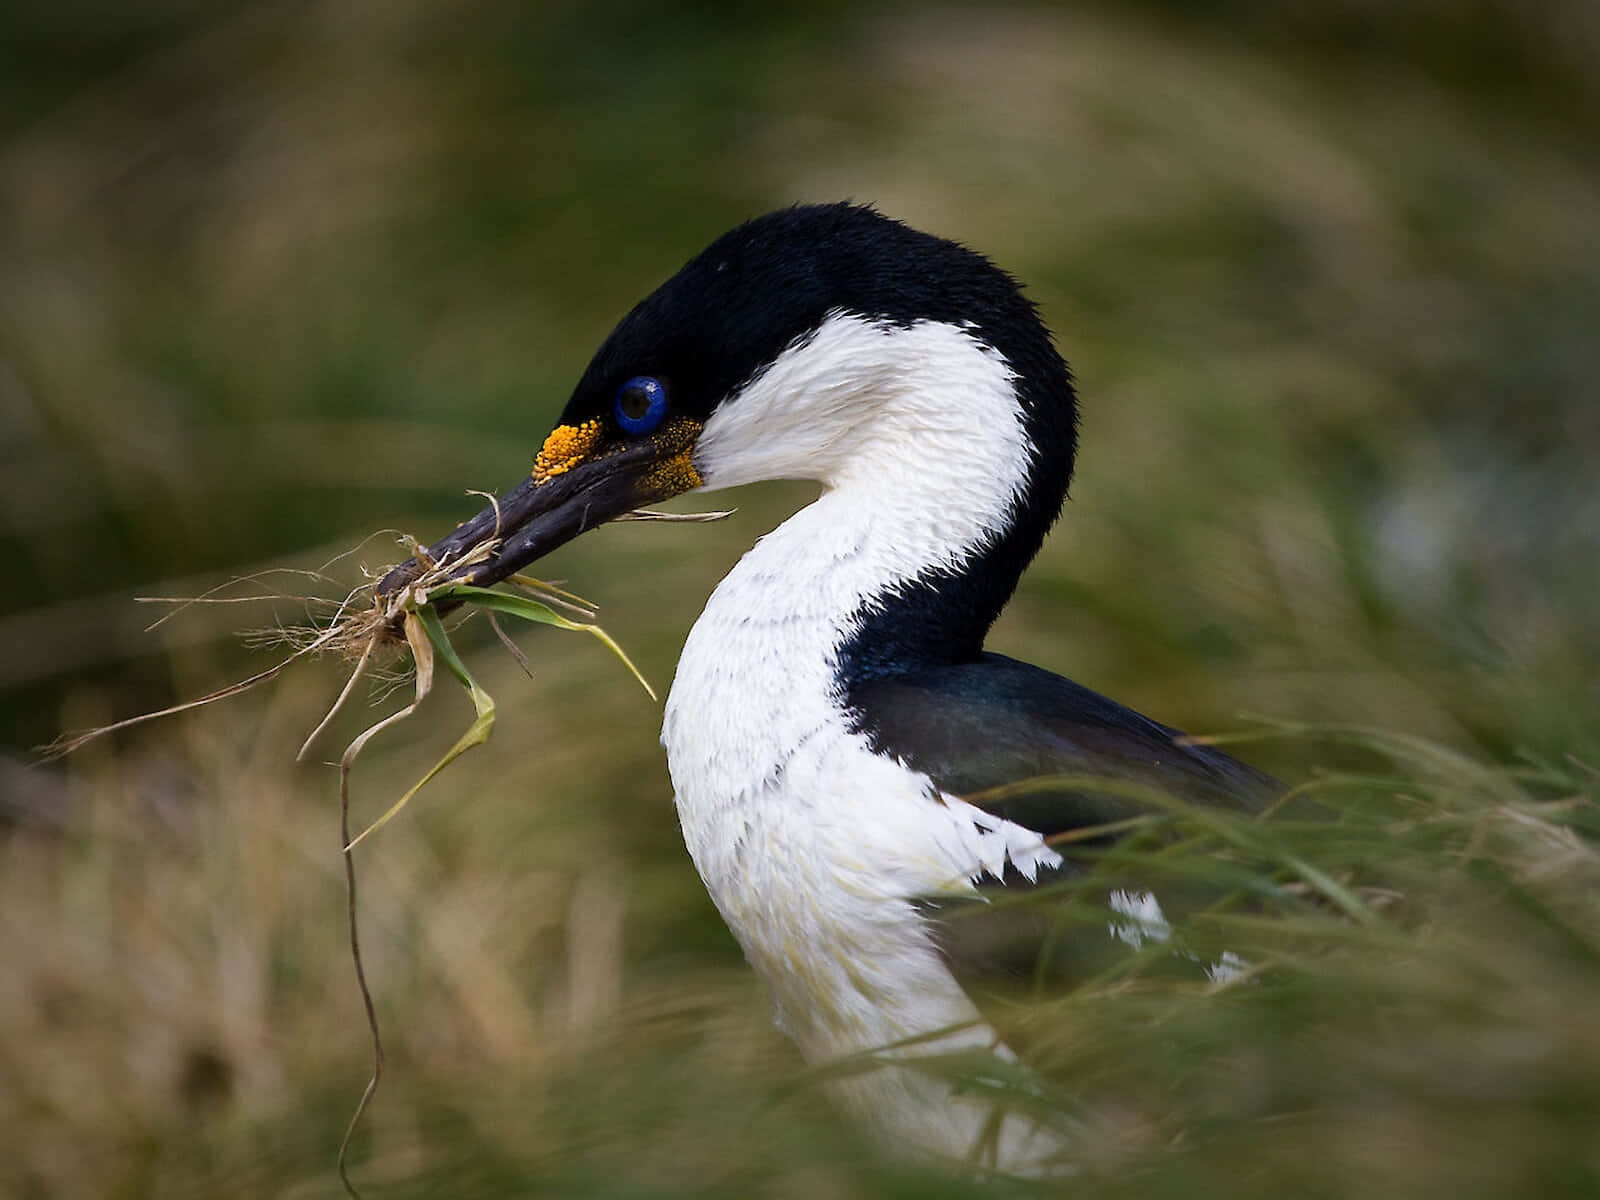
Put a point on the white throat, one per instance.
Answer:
(862, 401)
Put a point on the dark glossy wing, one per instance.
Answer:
(982, 725)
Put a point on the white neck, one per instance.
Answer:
(811, 845)
(917, 436)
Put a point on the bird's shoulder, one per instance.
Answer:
(980, 729)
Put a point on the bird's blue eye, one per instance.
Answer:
(641, 404)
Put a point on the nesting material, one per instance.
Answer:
(371, 630)
(367, 627)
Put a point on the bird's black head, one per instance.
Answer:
(631, 433)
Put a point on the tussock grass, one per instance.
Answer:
(1422, 950)
(1415, 957)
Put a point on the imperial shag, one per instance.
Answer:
(835, 722)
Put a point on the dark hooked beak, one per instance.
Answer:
(575, 486)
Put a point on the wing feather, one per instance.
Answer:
(976, 730)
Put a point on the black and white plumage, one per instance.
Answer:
(833, 714)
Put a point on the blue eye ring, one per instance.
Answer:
(640, 404)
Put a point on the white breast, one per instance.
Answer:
(811, 845)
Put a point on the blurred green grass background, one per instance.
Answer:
(273, 277)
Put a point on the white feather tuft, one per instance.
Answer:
(1146, 921)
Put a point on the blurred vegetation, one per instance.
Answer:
(272, 277)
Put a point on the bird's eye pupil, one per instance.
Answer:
(640, 404)
(634, 401)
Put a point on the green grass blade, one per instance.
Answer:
(477, 733)
(525, 607)
(530, 609)
(434, 628)
(611, 645)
